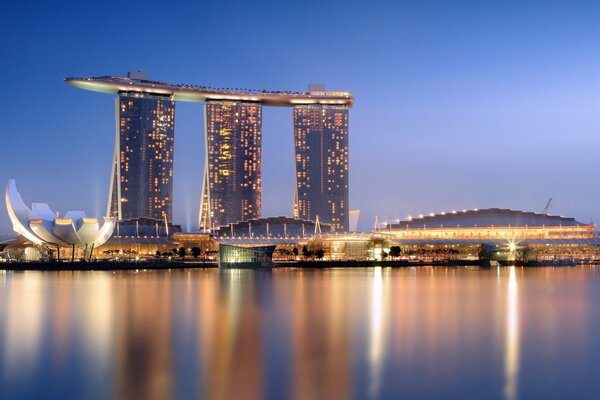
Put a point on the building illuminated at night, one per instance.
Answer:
(492, 224)
(321, 147)
(231, 189)
(142, 174)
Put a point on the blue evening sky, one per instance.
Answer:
(459, 104)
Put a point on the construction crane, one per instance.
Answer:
(548, 205)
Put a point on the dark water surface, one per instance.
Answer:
(451, 333)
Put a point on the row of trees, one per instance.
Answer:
(125, 253)
(182, 252)
(318, 253)
(441, 253)
(306, 253)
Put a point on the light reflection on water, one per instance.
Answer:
(377, 338)
(512, 336)
(505, 333)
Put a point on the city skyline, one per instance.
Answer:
(454, 108)
(300, 199)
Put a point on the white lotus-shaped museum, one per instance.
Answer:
(40, 224)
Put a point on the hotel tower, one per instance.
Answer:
(231, 186)
(321, 145)
(142, 175)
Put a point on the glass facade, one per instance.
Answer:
(142, 178)
(321, 147)
(245, 257)
(232, 181)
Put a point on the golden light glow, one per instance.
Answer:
(377, 331)
(495, 232)
(511, 357)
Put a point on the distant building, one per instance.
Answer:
(495, 232)
(141, 237)
(351, 246)
(204, 241)
(492, 224)
(272, 227)
(145, 227)
(142, 174)
(316, 87)
(354, 217)
(321, 146)
(138, 75)
(231, 189)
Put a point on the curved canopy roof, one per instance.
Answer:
(41, 225)
(194, 93)
(485, 217)
(271, 227)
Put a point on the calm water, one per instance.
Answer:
(414, 333)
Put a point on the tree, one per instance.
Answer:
(129, 252)
(282, 252)
(295, 251)
(395, 251)
(320, 253)
(305, 252)
(181, 252)
(196, 252)
(384, 254)
(157, 254)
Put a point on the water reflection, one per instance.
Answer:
(22, 332)
(512, 337)
(321, 350)
(95, 300)
(235, 345)
(142, 350)
(377, 338)
(292, 333)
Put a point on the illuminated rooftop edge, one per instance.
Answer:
(485, 217)
(194, 93)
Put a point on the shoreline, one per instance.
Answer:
(137, 265)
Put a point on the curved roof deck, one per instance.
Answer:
(497, 217)
(193, 93)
